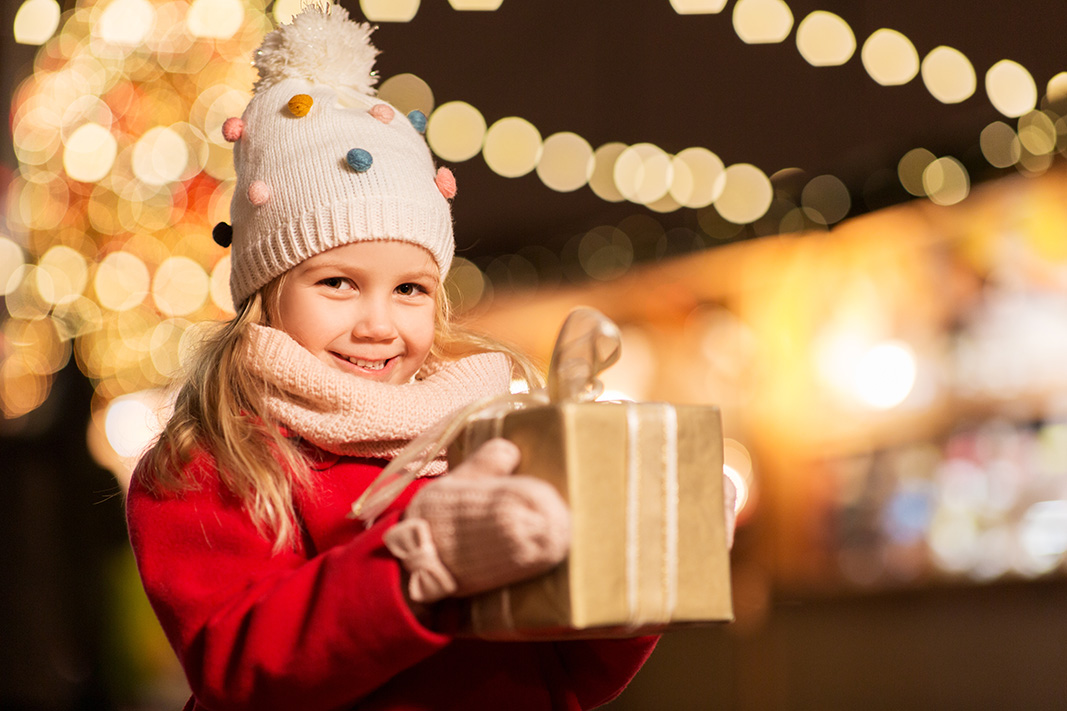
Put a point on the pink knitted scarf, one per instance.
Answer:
(346, 414)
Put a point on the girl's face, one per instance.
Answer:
(365, 308)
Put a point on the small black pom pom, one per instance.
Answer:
(222, 234)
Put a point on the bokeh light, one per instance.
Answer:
(180, 286)
(1037, 133)
(125, 23)
(762, 21)
(1010, 88)
(456, 131)
(643, 173)
(946, 181)
(948, 75)
(910, 170)
(885, 374)
(825, 39)
(889, 57)
(36, 21)
(12, 261)
(699, 177)
(90, 152)
(389, 10)
(826, 199)
(746, 196)
(1000, 145)
(566, 162)
(407, 92)
(476, 5)
(698, 7)
(602, 180)
(512, 147)
(121, 281)
(215, 19)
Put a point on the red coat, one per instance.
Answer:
(324, 626)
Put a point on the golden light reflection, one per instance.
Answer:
(160, 156)
(36, 21)
(885, 374)
(747, 195)
(22, 388)
(1056, 90)
(407, 92)
(827, 198)
(215, 19)
(512, 147)
(889, 57)
(698, 7)
(605, 253)
(643, 173)
(465, 284)
(389, 10)
(121, 281)
(456, 131)
(35, 135)
(29, 287)
(1037, 133)
(910, 170)
(762, 21)
(602, 181)
(699, 177)
(68, 272)
(825, 39)
(1000, 145)
(125, 23)
(566, 162)
(948, 75)
(1010, 88)
(12, 261)
(90, 152)
(164, 344)
(180, 286)
(477, 5)
(220, 285)
(946, 181)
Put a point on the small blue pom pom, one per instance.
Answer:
(418, 120)
(359, 160)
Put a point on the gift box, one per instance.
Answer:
(648, 551)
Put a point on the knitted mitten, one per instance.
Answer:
(480, 528)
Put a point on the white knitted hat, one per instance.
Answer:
(320, 162)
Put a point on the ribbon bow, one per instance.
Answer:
(588, 343)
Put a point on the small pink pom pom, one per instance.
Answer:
(233, 129)
(258, 193)
(446, 182)
(382, 112)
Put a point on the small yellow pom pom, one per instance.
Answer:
(300, 104)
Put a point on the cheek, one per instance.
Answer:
(422, 330)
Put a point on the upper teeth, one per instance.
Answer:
(369, 364)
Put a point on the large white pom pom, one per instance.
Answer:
(322, 46)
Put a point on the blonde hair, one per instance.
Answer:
(220, 410)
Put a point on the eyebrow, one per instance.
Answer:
(339, 265)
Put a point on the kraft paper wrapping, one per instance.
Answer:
(644, 484)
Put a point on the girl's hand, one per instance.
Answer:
(480, 528)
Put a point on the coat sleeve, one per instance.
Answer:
(599, 669)
(260, 630)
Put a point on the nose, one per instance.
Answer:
(374, 320)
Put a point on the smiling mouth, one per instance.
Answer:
(368, 364)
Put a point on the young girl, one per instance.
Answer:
(341, 352)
